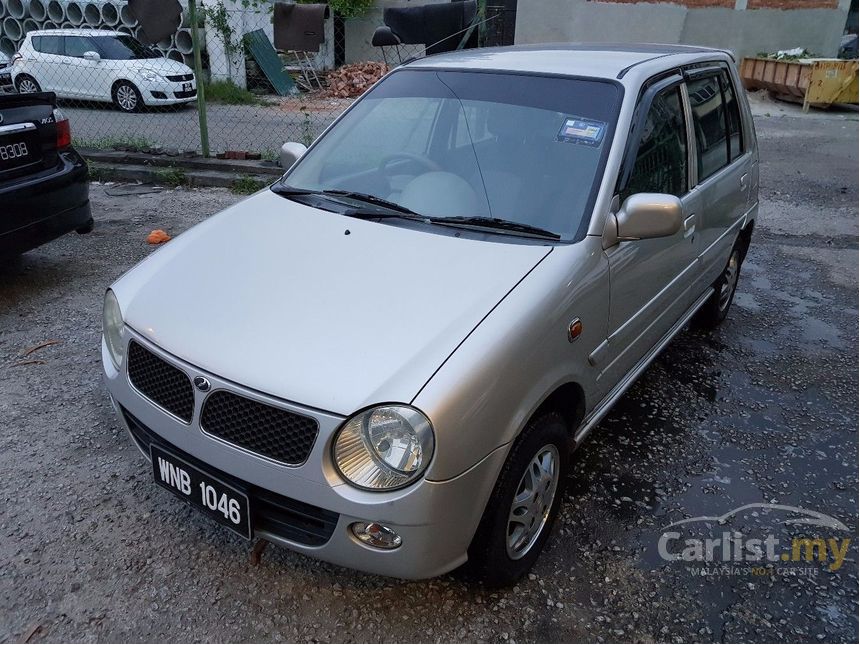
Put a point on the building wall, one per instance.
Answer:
(744, 26)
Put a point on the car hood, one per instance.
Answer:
(161, 66)
(318, 308)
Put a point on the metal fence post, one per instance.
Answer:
(198, 73)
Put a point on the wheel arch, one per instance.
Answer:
(745, 238)
(568, 399)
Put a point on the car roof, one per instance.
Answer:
(600, 60)
(76, 32)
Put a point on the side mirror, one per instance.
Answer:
(92, 56)
(290, 153)
(649, 215)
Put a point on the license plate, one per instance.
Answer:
(186, 87)
(16, 151)
(225, 504)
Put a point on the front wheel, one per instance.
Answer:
(127, 97)
(524, 504)
(27, 85)
(716, 308)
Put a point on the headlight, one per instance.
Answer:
(149, 75)
(384, 448)
(112, 327)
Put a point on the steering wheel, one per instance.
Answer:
(429, 164)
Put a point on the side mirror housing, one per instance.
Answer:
(649, 215)
(290, 153)
(92, 56)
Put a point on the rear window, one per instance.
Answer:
(48, 44)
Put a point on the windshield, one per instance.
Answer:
(522, 148)
(123, 48)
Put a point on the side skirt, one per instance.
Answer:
(624, 384)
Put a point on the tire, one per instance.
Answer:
(86, 228)
(503, 550)
(126, 97)
(25, 84)
(716, 308)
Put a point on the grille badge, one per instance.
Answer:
(202, 383)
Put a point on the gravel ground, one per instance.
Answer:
(763, 410)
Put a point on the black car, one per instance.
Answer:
(44, 183)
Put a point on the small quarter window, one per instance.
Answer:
(733, 114)
(661, 160)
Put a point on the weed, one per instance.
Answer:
(246, 185)
(170, 176)
(132, 144)
(228, 93)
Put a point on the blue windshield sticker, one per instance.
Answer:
(582, 131)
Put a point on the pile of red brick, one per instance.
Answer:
(350, 81)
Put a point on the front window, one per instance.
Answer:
(123, 48)
(521, 148)
(661, 161)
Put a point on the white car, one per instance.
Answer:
(98, 65)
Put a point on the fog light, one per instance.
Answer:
(376, 535)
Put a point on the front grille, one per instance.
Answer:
(272, 432)
(160, 382)
(275, 514)
(185, 95)
(180, 78)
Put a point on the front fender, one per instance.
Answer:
(487, 390)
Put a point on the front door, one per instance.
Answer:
(84, 77)
(651, 281)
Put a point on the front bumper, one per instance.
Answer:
(167, 92)
(436, 520)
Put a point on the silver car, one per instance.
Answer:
(386, 359)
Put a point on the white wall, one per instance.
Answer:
(745, 32)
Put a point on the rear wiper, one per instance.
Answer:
(497, 223)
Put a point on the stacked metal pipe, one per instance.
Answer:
(17, 17)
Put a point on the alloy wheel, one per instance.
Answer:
(27, 86)
(126, 98)
(533, 500)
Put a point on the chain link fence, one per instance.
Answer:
(121, 94)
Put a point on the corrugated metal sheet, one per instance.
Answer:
(267, 58)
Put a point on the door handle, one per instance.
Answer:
(690, 225)
(744, 178)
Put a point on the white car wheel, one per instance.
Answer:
(127, 98)
(27, 85)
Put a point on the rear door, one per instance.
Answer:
(48, 62)
(723, 168)
(651, 281)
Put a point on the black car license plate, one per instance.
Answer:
(186, 87)
(226, 504)
(17, 150)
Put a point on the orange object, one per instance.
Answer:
(158, 237)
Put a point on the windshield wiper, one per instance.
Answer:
(396, 210)
(373, 200)
(497, 223)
